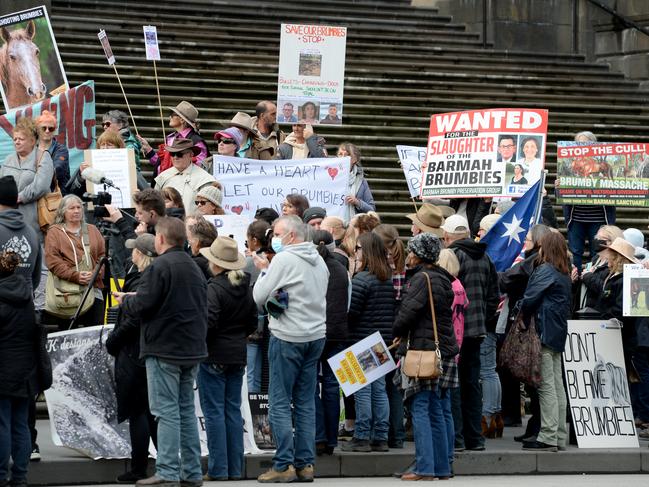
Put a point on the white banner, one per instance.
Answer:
(411, 159)
(635, 290)
(234, 226)
(117, 165)
(597, 387)
(311, 74)
(362, 363)
(249, 184)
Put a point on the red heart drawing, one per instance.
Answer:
(237, 209)
(333, 172)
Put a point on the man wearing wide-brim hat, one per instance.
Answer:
(256, 145)
(429, 218)
(184, 176)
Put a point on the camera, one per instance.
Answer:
(99, 201)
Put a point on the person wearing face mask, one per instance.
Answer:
(296, 343)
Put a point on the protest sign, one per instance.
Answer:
(362, 363)
(75, 113)
(108, 51)
(260, 422)
(118, 165)
(234, 226)
(249, 184)
(635, 290)
(81, 402)
(596, 383)
(311, 74)
(33, 70)
(614, 174)
(151, 43)
(484, 153)
(411, 159)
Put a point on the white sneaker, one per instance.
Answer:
(35, 456)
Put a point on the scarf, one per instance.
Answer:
(300, 151)
(353, 185)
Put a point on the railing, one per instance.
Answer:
(624, 20)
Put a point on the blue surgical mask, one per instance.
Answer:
(276, 244)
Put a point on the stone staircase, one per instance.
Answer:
(403, 64)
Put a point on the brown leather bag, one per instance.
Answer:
(48, 203)
(425, 364)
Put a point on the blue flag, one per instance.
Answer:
(506, 238)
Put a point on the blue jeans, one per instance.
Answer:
(219, 387)
(431, 439)
(327, 399)
(254, 364)
(491, 390)
(372, 412)
(471, 392)
(293, 375)
(15, 439)
(578, 232)
(171, 399)
(444, 396)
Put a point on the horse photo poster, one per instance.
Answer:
(30, 64)
(484, 153)
(597, 386)
(635, 290)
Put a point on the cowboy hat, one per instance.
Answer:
(243, 121)
(624, 248)
(428, 218)
(179, 144)
(187, 112)
(224, 253)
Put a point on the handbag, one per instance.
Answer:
(521, 352)
(425, 364)
(62, 298)
(48, 204)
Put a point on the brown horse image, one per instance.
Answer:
(20, 68)
(589, 166)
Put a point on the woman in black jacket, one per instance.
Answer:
(414, 324)
(328, 401)
(232, 316)
(18, 335)
(130, 371)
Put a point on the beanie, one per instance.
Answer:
(8, 192)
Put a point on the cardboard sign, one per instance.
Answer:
(362, 363)
(603, 174)
(597, 387)
(635, 290)
(30, 62)
(412, 160)
(311, 74)
(249, 184)
(118, 165)
(151, 43)
(103, 38)
(484, 153)
(75, 113)
(234, 226)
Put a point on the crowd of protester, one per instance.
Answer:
(193, 308)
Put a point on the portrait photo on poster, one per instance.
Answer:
(30, 65)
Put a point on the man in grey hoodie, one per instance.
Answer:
(296, 343)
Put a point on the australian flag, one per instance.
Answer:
(506, 238)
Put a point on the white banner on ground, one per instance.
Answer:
(597, 387)
(234, 226)
(118, 165)
(635, 290)
(81, 402)
(362, 363)
(249, 184)
(411, 159)
(311, 74)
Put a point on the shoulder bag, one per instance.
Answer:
(62, 298)
(48, 203)
(425, 364)
(521, 352)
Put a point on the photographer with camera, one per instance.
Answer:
(149, 208)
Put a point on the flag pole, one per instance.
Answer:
(539, 204)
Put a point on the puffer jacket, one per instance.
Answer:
(372, 307)
(414, 320)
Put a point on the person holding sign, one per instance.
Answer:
(302, 143)
(359, 199)
(547, 299)
(117, 121)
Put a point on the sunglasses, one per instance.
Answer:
(105, 124)
(178, 155)
(200, 203)
(226, 141)
(48, 129)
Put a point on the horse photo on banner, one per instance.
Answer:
(30, 65)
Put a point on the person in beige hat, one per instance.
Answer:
(429, 218)
(231, 317)
(184, 176)
(209, 200)
(184, 120)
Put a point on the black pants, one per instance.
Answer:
(142, 428)
(471, 392)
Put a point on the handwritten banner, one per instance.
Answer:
(603, 174)
(75, 113)
(596, 383)
(118, 165)
(249, 184)
(484, 153)
(311, 74)
(412, 159)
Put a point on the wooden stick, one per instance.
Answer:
(125, 99)
(157, 87)
(415, 204)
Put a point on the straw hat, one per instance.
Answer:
(187, 112)
(624, 248)
(224, 253)
(428, 218)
